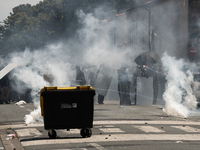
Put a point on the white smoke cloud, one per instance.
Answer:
(179, 98)
(56, 61)
(35, 67)
(99, 48)
(94, 47)
(34, 116)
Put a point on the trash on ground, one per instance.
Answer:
(10, 136)
(179, 142)
(21, 103)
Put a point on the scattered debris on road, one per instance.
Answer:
(21, 102)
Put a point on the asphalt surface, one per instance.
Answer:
(114, 127)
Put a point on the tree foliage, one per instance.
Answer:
(50, 20)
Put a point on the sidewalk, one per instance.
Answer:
(1, 145)
(11, 144)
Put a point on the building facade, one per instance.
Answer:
(194, 30)
(159, 26)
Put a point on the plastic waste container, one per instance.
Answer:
(67, 108)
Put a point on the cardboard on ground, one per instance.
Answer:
(7, 69)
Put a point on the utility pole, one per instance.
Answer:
(149, 10)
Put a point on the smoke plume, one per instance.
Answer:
(179, 98)
(55, 64)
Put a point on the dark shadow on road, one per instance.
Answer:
(46, 138)
(101, 110)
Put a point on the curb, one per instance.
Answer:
(12, 144)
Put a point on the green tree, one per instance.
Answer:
(51, 20)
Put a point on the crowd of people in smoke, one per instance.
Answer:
(127, 79)
(126, 76)
(8, 94)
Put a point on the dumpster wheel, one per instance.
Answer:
(86, 132)
(52, 134)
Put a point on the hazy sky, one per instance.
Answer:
(7, 5)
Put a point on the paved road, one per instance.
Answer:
(130, 127)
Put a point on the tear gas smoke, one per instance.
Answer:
(20, 103)
(98, 47)
(179, 98)
(54, 64)
(37, 69)
(34, 116)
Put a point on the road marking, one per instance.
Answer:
(21, 106)
(186, 128)
(146, 122)
(149, 129)
(1, 148)
(115, 137)
(97, 126)
(111, 130)
(99, 123)
(109, 126)
(28, 132)
(97, 146)
(72, 149)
